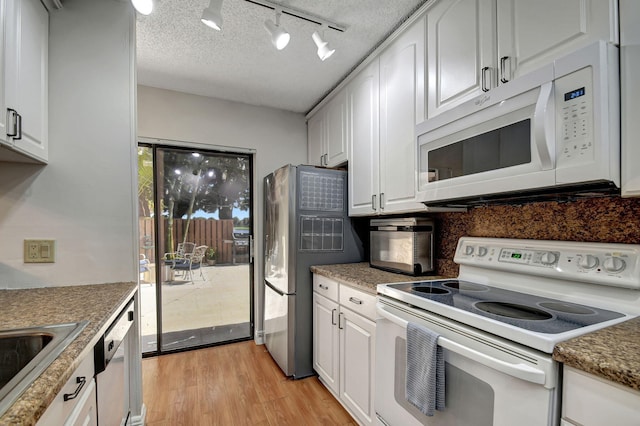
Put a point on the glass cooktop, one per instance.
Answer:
(534, 313)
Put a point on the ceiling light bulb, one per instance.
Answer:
(144, 7)
(212, 15)
(324, 51)
(279, 36)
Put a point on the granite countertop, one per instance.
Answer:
(612, 353)
(98, 304)
(364, 277)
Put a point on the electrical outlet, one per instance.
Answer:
(39, 251)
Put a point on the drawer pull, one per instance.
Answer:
(80, 381)
(323, 287)
(356, 301)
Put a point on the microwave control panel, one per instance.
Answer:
(574, 109)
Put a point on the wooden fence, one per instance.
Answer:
(209, 232)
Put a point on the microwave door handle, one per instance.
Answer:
(544, 129)
(520, 371)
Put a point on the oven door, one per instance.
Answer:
(500, 142)
(489, 382)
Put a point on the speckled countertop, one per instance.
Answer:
(364, 277)
(612, 353)
(97, 304)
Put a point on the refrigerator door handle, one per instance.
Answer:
(274, 288)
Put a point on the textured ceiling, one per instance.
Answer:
(176, 51)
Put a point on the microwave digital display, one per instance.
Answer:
(574, 94)
(516, 255)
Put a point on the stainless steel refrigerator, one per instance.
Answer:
(306, 223)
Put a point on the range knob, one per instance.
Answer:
(468, 250)
(588, 262)
(548, 258)
(614, 264)
(482, 251)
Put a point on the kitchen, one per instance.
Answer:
(60, 200)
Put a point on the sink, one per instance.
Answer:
(25, 353)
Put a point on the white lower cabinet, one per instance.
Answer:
(344, 345)
(588, 400)
(75, 404)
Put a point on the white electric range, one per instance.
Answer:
(499, 322)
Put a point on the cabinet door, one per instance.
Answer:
(325, 340)
(315, 139)
(401, 102)
(86, 412)
(357, 361)
(336, 128)
(364, 143)
(26, 68)
(523, 45)
(461, 46)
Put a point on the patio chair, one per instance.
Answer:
(190, 263)
(183, 251)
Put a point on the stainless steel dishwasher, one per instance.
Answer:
(110, 363)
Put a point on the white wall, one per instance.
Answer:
(84, 197)
(278, 138)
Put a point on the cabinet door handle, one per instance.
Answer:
(382, 201)
(340, 315)
(355, 300)
(12, 114)
(80, 381)
(373, 202)
(333, 316)
(503, 69)
(484, 79)
(19, 121)
(326, 159)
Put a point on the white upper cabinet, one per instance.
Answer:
(25, 76)
(385, 101)
(402, 76)
(475, 45)
(461, 52)
(327, 133)
(364, 141)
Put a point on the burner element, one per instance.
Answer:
(512, 310)
(431, 290)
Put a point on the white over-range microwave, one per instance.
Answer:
(553, 132)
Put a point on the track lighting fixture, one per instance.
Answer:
(279, 36)
(212, 15)
(324, 51)
(144, 7)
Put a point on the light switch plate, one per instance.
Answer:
(39, 251)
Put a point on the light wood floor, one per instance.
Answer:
(235, 384)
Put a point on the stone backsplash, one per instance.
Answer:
(609, 219)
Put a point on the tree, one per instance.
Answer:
(193, 182)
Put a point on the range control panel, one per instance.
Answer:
(609, 264)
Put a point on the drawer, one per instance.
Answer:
(79, 382)
(358, 301)
(326, 287)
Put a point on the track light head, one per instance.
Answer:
(279, 36)
(324, 51)
(144, 7)
(212, 15)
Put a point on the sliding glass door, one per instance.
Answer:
(197, 287)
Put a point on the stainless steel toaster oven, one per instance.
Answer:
(402, 245)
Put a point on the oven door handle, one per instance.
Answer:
(520, 371)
